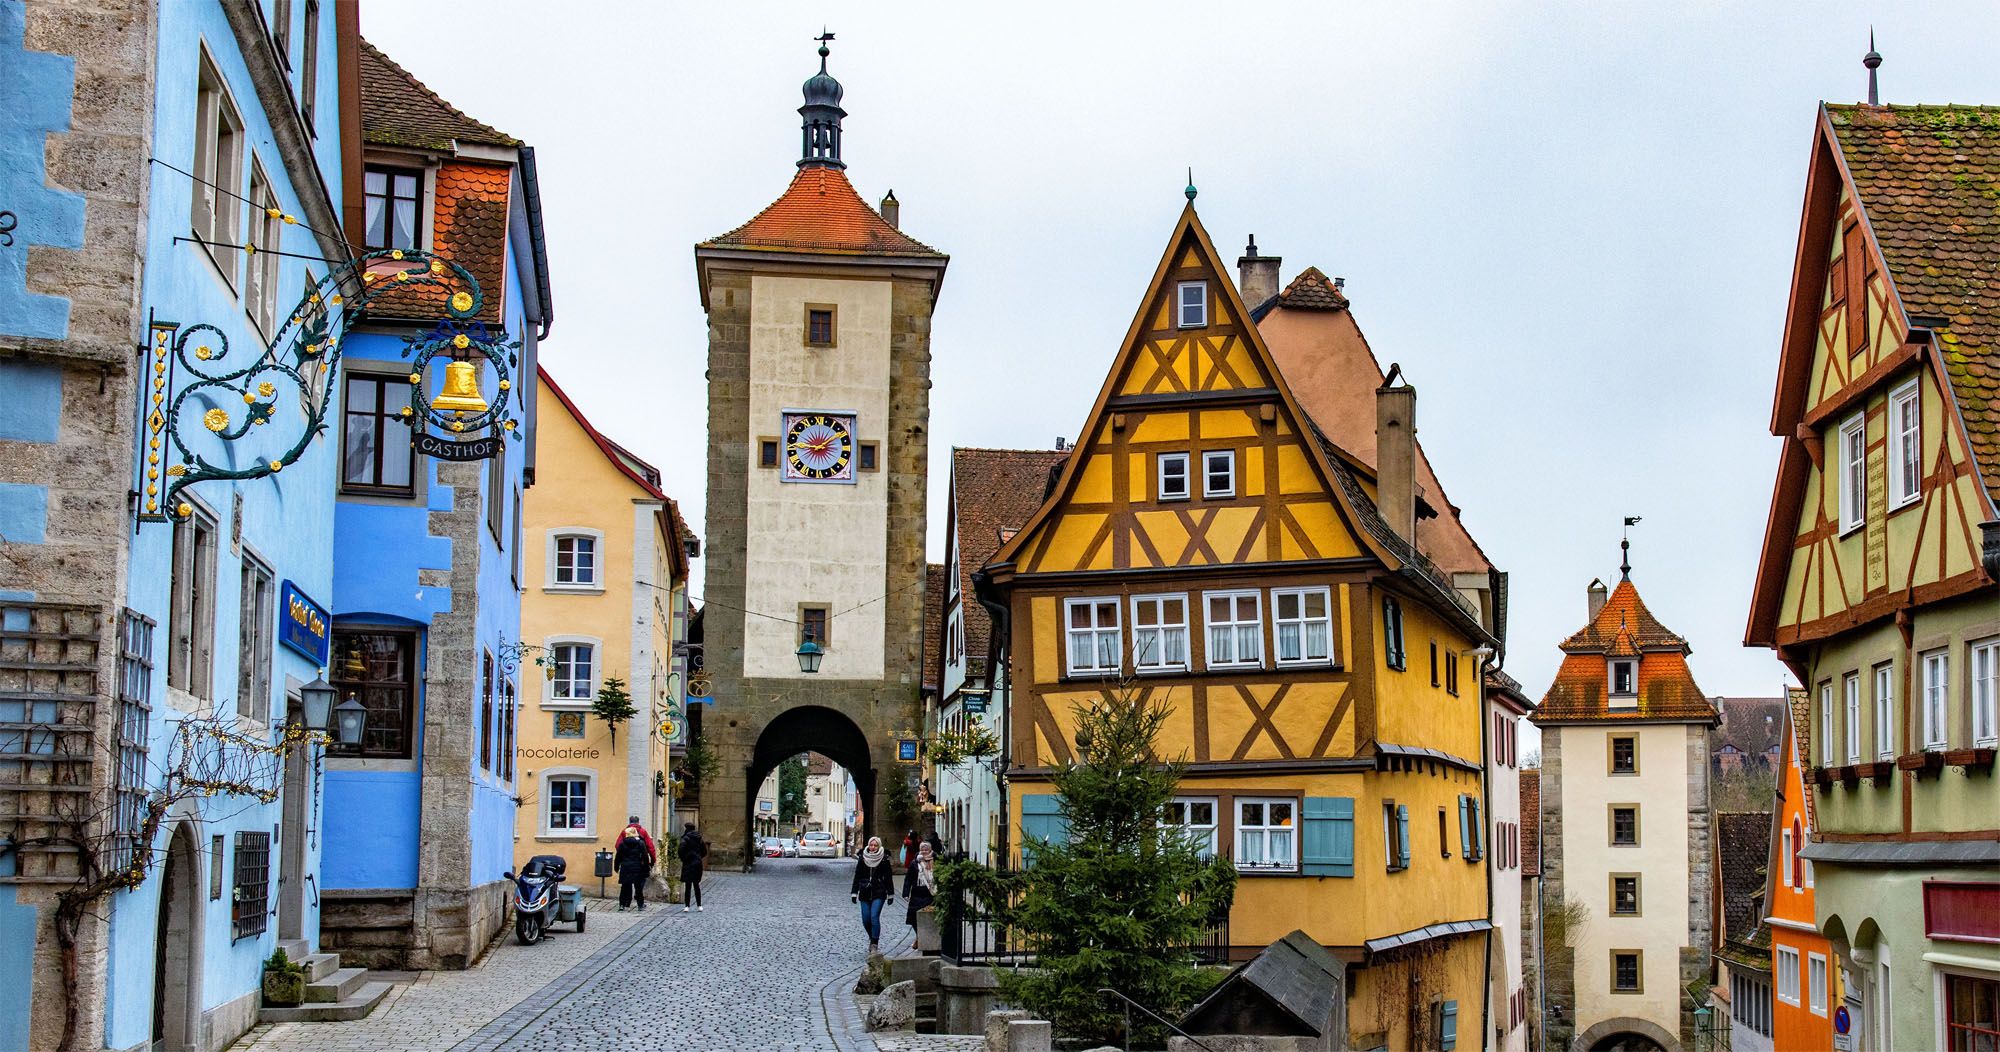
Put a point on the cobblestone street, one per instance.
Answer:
(768, 965)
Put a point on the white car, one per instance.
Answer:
(818, 845)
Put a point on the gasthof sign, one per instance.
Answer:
(303, 625)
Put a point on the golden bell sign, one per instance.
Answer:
(461, 390)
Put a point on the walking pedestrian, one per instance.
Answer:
(920, 882)
(693, 855)
(937, 845)
(909, 850)
(874, 885)
(633, 858)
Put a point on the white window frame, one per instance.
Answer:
(192, 584)
(1906, 439)
(1142, 661)
(1303, 621)
(1785, 857)
(1209, 459)
(1936, 665)
(1885, 708)
(575, 774)
(1192, 828)
(1982, 667)
(216, 213)
(1826, 753)
(1850, 690)
(1611, 678)
(1094, 636)
(552, 559)
(1786, 972)
(1235, 628)
(1160, 476)
(1853, 473)
(1198, 303)
(550, 651)
(260, 268)
(1264, 832)
(1816, 980)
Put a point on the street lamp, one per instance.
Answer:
(316, 702)
(809, 657)
(351, 715)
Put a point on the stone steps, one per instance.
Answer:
(319, 965)
(337, 987)
(358, 1006)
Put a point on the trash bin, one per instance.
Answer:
(603, 864)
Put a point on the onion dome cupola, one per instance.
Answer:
(822, 113)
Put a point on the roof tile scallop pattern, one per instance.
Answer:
(1624, 627)
(934, 576)
(1312, 290)
(470, 229)
(1929, 182)
(821, 212)
(398, 110)
(1744, 848)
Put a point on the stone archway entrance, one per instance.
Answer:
(810, 728)
(177, 947)
(1626, 1035)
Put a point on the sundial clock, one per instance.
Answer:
(819, 447)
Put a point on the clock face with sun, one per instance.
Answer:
(819, 447)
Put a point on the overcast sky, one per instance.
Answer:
(1573, 224)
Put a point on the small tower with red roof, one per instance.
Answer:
(1625, 828)
(819, 313)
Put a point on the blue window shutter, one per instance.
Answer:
(1041, 820)
(1328, 837)
(1403, 835)
(1464, 828)
(1448, 1026)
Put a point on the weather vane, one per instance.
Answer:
(824, 37)
(1625, 548)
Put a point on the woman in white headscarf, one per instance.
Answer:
(874, 885)
(920, 882)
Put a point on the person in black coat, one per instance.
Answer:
(920, 882)
(693, 854)
(633, 858)
(874, 884)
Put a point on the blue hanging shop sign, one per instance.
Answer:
(304, 625)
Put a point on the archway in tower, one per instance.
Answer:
(812, 729)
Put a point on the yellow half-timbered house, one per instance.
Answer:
(1206, 549)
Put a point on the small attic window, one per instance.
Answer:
(1193, 305)
(1624, 678)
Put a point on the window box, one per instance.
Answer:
(1846, 775)
(1879, 771)
(1822, 777)
(1968, 758)
(1921, 762)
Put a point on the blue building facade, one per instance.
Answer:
(426, 593)
(172, 177)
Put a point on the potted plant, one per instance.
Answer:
(284, 981)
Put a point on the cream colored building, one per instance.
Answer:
(604, 571)
(1625, 823)
(827, 798)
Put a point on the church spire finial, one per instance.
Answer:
(1190, 191)
(1625, 548)
(822, 113)
(1873, 60)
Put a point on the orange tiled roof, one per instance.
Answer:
(934, 576)
(398, 110)
(1312, 290)
(1929, 181)
(1624, 628)
(1531, 822)
(1801, 706)
(821, 212)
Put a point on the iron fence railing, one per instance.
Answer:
(972, 931)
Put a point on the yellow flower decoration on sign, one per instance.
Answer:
(202, 352)
(215, 419)
(176, 470)
(460, 341)
(267, 389)
(397, 254)
(437, 266)
(461, 302)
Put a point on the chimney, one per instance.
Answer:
(1257, 275)
(1597, 597)
(892, 210)
(1396, 454)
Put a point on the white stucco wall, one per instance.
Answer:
(1661, 929)
(819, 543)
(1504, 802)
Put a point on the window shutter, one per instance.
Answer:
(1328, 840)
(1403, 835)
(1478, 827)
(1448, 1025)
(1041, 820)
(1464, 828)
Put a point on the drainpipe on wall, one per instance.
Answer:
(998, 643)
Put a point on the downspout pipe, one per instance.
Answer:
(999, 643)
(531, 183)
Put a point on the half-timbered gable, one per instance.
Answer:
(1879, 498)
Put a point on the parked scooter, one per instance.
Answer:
(542, 899)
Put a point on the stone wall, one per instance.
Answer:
(1697, 963)
(67, 436)
(1558, 959)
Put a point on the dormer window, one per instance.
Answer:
(1193, 305)
(1624, 678)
